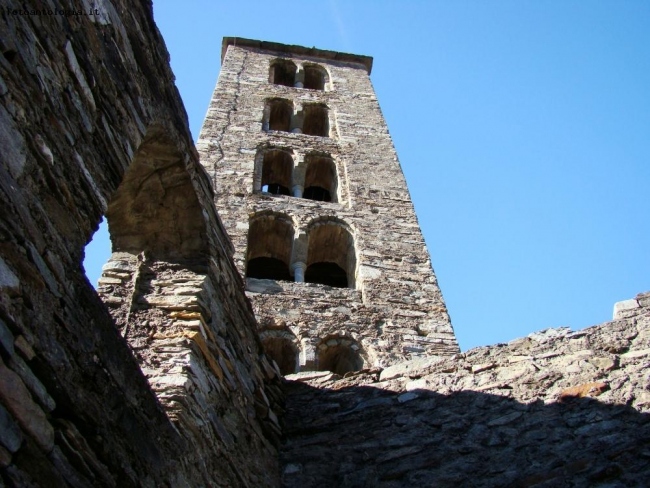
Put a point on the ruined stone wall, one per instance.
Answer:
(556, 408)
(395, 310)
(92, 125)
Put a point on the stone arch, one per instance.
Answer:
(155, 208)
(273, 171)
(278, 113)
(270, 239)
(282, 72)
(339, 355)
(282, 346)
(316, 120)
(315, 77)
(321, 180)
(331, 254)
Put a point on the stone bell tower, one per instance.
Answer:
(311, 192)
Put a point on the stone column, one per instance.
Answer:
(266, 115)
(296, 121)
(300, 78)
(299, 271)
(307, 356)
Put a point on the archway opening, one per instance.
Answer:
(270, 238)
(155, 208)
(315, 77)
(156, 224)
(282, 72)
(330, 255)
(339, 356)
(280, 112)
(277, 167)
(316, 120)
(283, 351)
(321, 182)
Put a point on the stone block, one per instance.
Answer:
(10, 435)
(620, 308)
(16, 398)
(8, 279)
(409, 368)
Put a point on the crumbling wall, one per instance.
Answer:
(556, 408)
(92, 125)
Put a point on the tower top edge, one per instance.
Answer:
(366, 61)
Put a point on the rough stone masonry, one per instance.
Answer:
(308, 185)
(554, 409)
(159, 379)
(165, 383)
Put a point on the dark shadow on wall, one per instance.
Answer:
(363, 436)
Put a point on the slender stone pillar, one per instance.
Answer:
(299, 271)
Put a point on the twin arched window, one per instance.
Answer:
(326, 255)
(335, 353)
(287, 73)
(314, 179)
(312, 119)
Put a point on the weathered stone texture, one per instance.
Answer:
(396, 310)
(159, 378)
(91, 124)
(556, 408)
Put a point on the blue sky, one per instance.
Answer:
(523, 129)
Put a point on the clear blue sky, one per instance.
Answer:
(523, 129)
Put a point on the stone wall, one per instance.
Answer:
(92, 125)
(160, 378)
(395, 309)
(556, 408)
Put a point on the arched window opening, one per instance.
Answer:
(155, 208)
(340, 356)
(315, 77)
(155, 220)
(331, 258)
(279, 347)
(270, 238)
(316, 120)
(320, 179)
(282, 72)
(280, 112)
(330, 274)
(277, 167)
